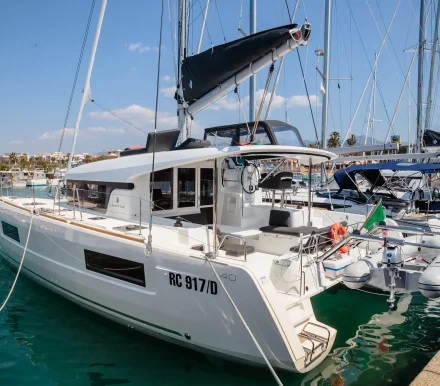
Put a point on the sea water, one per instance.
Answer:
(47, 340)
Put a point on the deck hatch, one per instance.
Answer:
(122, 269)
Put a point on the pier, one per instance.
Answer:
(430, 375)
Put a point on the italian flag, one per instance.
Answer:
(376, 215)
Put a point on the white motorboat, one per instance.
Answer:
(14, 177)
(37, 177)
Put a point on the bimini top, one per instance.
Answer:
(345, 178)
(125, 169)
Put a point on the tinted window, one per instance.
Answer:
(92, 194)
(162, 189)
(287, 136)
(10, 231)
(206, 187)
(121, 269)
(186, 182)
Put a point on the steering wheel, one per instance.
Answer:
(250, 178)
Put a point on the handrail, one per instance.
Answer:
(225, 235)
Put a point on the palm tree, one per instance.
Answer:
(23, 161)
(334, 140)
(13, 158)
(352, 140)
(314, 145)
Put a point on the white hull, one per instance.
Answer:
(205, 321)
(36, 182)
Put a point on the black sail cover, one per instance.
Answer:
(431, 138)
(203, 72)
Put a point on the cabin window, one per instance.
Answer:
(206, 187)
(10, 231)
(260, 137)
(122, 269)
(287, 136)
(186, 182)
(93, 195)
(162, 189)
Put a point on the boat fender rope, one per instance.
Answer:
(19, 267)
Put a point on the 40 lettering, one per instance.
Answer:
(193, 283)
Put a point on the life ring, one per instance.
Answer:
(336, 232)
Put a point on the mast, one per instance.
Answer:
(431, 73)
(86, 89)
(420, 77)
(326, 71)
(374, 101)
(252, 30)
(181, 56)
(202, 29)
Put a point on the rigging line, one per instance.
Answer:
(303, 76)
(149, 246)
(371, 71)
(201, 12)
(308, 96)
(117, 116)
(240, 16)
(206, 26)
(78, 66)
(220, 20)
(391, 42)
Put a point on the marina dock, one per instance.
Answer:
(430, 375)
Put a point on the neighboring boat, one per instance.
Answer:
(14, 177)
(37, 177)
(54, 179)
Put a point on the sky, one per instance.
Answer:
(40, 43)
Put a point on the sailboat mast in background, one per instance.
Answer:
(420, 77)
(252, 30)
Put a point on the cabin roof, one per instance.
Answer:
(125, 169)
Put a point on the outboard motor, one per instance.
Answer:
(357, 274)
(429, 281)
(392, 258)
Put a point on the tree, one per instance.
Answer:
(13, 158)
(23, 161)
(334, 140)
(314, 145)
(352, 140)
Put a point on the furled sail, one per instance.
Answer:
(203, 72)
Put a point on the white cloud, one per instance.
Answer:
(230, 102)
(140, 116)
(16, 142)
(226, 103)
(138, 47)
(168, 91)
(168, 78)
(100, 129)
(56, 134)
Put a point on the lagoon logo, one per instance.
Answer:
(117, 204)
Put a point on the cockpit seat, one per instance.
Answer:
(290, 231)
(279, 223)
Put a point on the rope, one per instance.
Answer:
(19, 267)
(263, 98)
(277, 379)
(220, 20)
(117, 116)
(304, 78)
(242, 109)
(149, 247)
(78, 66)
